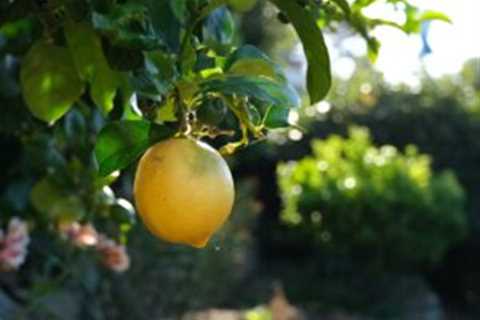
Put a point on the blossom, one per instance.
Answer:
(81, 235)
(114, 256)
(13, 245)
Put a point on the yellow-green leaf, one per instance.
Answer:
(87, 52)
(50, 82)
(253, 67)
(166, 113)
(104, 88)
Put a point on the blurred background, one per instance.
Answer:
(367, 208)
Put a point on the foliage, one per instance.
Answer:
(84, 290)
(441, 117)
(87, 85)
(353, 198)
(163, 60)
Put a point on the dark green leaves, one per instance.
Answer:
(276, 117)
(166, 18)
(212, 112)
(343, 4)
(50, 82)
(318, 73)
(262, 89)
(250, 61)
(129, 25)
(122, 142)
(179, 9)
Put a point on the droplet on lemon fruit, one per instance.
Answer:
(183, 191)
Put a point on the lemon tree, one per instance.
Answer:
(89, 87)
(117, 111)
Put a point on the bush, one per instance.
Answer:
(353, 198)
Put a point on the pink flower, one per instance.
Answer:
(13, 245)
(81, 235)
(114, 256)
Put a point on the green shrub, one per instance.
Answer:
(353, 198)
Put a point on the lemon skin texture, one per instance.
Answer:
(183, 191)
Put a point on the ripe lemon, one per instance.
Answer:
(183, 191)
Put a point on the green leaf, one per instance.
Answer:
(166, 112)
(120, 143)
(161, 132)
(359, 4)
(128, 25)
(254, 115)
(248, 60)
(343, 4)
(161, 70)
(86, 49)
(318, 74)
(161, 64)
(179, 9)
(373, 46)
(75, 127)
(361, 24)
(104, 88)
(242, 5)
(253, 67)
(372, 23)
(122, 59)
(219, 27)
(50, 82)
(415, 18)
(212, 112)
(147, 85)
(54, 202)
(276, 117)
(165, 22)
(434, 15)
(188, 58)
(259, 88)
(44, 194)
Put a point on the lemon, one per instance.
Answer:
(183, 191)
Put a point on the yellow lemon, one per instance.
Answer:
(183, 190)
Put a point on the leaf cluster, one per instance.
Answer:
(171, 65)
(353, 197)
